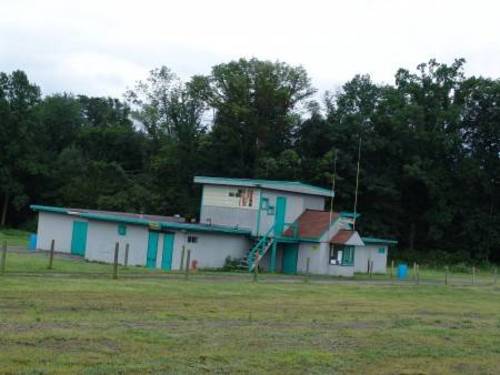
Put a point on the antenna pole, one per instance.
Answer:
(357, 187)
(334, 177)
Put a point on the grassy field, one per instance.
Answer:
(14, 237)
(77, 324)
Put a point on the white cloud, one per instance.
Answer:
(101, 47)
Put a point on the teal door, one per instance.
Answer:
(290, 256)
(168, 250)
(279, 215)
(79, 238)
(152, 249)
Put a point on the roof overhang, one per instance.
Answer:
(289, 186)
(149, 223)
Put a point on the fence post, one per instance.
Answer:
(418, 274)
(473, 274)
(256, 267)
(392, 270)
(446, 275)
(308, 261)
(115, 263)
(51, 254)
(4, 257)
(182, 257)
(414, 275)
(495, 276)
(188, 259)
(125, 262)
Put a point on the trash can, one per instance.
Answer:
(402, 271)
(32, 242)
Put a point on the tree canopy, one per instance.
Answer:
(430, 156)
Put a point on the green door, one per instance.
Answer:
(290, 256)
(79, 238)
(279, 216)
(152, 249)
(168, 250)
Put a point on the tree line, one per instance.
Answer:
(430, 154)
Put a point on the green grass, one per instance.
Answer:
(226, 324)
(14, 237)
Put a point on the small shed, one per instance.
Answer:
(375, 250)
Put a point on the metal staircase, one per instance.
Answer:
(261, 247)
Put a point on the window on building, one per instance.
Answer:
(341, 255)
(381, 250)
(246, 197)
(192, 239)
(122, 229)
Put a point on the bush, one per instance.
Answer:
(231, 264)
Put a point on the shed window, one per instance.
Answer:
(122, 229)
(341, 255)
(192, 239)
(381, 250)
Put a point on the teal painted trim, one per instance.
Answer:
(349, 214)
(258, 247)
(291, 186)
(279, 216)
(128, 220)
(290, 257)
(152, 249)
(168, 251)
(79, 238)
(374, 240)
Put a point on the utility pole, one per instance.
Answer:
(357, 186)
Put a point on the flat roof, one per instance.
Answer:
(161, 222)
(290, 186)
(382, 241)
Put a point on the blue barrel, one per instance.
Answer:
(402, 271)
(32, 242)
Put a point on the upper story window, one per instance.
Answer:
(192, 239)
(246, 197)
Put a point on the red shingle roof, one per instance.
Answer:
(313, 223)
(341, 237)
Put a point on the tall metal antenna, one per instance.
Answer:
(334, 177)
(357, 187)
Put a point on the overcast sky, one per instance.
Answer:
(102, 47)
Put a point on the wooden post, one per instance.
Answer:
(51, 254)
(125, 262)
(418, 274)
(414, 271)
(392, 270)
(473, 274)
(256, 267)
(446, 275)
(188, 259)
(370, 268)
(4, 257)
(115, 262)
(308, 261)
(495, 276)
(182, 257)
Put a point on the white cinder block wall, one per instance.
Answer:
(319, 254)
(102, 237)
(211, 249)
(52, 226)
(362, 254)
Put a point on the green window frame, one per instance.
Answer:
(348, 256)
(122, 229)
(381, 250)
